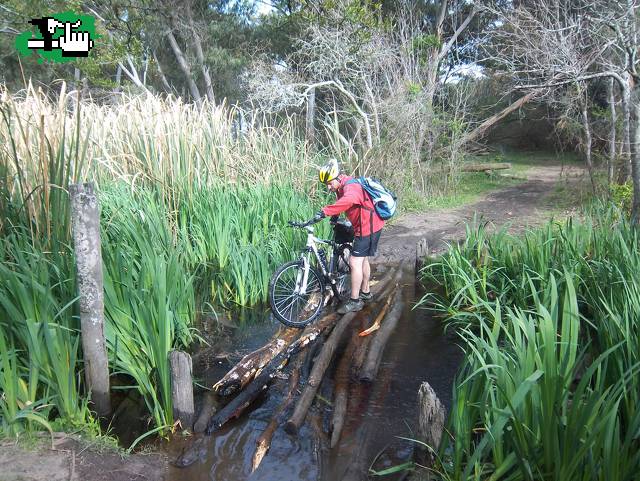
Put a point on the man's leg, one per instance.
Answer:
(354, 304)
(366, 275)
(357, 274)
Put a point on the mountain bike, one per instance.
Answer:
(299, 289)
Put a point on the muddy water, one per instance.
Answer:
(378, 414)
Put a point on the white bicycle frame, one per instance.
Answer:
(312, 247)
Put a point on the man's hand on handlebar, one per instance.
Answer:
(318, 217)
(314, 220)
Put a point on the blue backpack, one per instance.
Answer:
(384, 200)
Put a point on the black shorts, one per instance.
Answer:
(366, 246)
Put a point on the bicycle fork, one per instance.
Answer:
(303, 277)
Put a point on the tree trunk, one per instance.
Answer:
(612, 131)
(118, 88)
(184, 67)
(208, 85)
(311, 111)
(481, 130)
(163, 78)
(586, 126)
(85, 218)
(635, 162)
(625, 156)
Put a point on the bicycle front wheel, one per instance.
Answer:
(289, 306)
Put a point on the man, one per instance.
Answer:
(359, 209)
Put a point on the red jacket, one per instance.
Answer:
(358, 207)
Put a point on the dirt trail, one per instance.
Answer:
(518, 206)
(72, 460)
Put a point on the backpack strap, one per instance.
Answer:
(371, 211)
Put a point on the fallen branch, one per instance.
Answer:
(376, 324)
(209, 407)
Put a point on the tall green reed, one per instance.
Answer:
(187, 202)
(521, 411)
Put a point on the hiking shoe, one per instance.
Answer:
(366, 296)
(350, 305)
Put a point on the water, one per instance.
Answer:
(378, 415)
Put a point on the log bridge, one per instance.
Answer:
(312, 350)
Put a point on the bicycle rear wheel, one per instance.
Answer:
(289, 307)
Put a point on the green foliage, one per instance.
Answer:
(550, 388)
(424, 42)
(191, 212)
(622, 196)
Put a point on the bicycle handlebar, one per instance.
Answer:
(302, 225)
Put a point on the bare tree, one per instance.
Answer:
(547, 45)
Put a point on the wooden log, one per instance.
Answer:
(360, 354)
(358, 468)
(85, 220)
(324, 359)
(431, 419)
(378, 343)
(251, 364)
(317, 373)
(307, 365)
(487, 166)
(208, 409)
(341, 390)
(182, 388)
(237, 406)
(263, 443)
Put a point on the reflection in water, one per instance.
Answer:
(378, 414)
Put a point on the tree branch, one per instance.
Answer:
(445, 50)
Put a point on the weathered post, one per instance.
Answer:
(85, 221)
(431, 418)
(182, 388)
(422, 250)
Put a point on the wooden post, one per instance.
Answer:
(422, 249)
(85, 221)
(431, 418)
(182, 388)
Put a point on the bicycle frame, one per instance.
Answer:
(312, 248)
